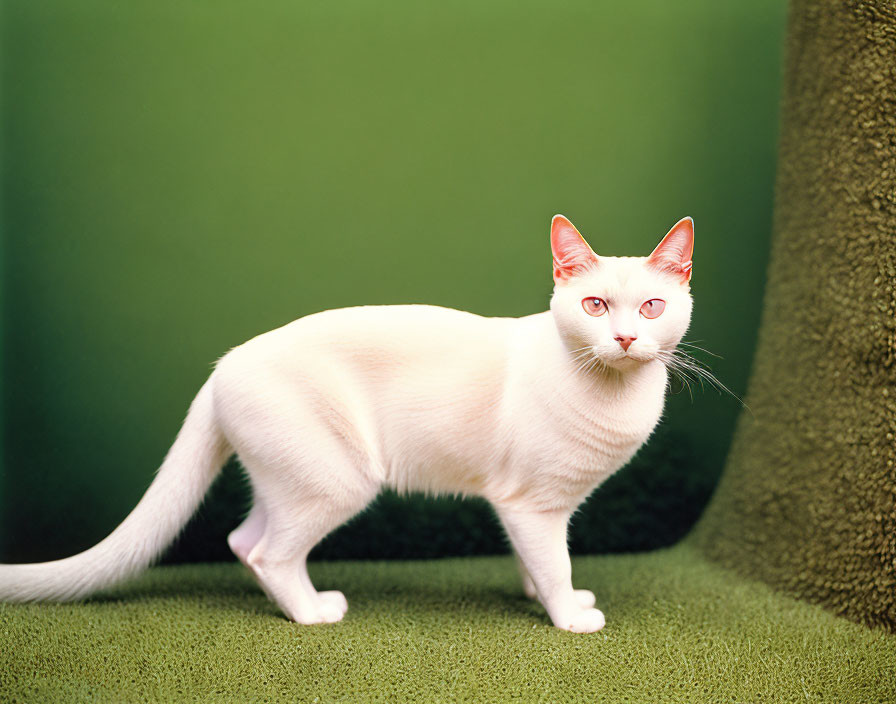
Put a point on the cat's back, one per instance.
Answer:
(391, 321)
(396, 328)
(380, 337)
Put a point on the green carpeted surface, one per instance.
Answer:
(679, 628)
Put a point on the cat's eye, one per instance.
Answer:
(653, 308)
(594, 306)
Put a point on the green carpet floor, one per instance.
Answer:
(678, 629)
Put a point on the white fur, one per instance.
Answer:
(530, 413)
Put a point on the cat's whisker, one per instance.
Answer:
(702, 349)
(686, 366)
(682, 377)
(581, 362)
(583, 355)
(584, 359)
(580, 349)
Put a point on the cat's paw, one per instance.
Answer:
(585, 621)
(585, 598)
(333, 606)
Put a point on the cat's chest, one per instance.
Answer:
(600, 429)
(605, 424)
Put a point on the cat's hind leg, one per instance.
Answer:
(302, 504)
(249, 532)
(311, 468)
(246, 536)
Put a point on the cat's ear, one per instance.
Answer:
(673, 254)
(571, 252)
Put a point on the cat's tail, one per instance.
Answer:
(189, 469)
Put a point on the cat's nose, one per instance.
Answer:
(625, 341)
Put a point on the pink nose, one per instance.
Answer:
(625, 341)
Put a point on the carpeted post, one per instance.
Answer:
(808, 498)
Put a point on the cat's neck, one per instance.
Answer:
(593, 417)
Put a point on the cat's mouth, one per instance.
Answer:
(616, 358)
(638, 355)
(629, 359)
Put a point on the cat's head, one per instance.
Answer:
(624, 311)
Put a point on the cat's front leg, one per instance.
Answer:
(585, 597)
(539, 539)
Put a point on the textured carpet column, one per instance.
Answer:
(808, 498)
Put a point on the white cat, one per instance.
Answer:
(531, 413)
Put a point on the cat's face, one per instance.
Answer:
(623, 311)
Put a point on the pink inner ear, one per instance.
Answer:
(571, 252)
(673, 254)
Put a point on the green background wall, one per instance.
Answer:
(178, 177)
